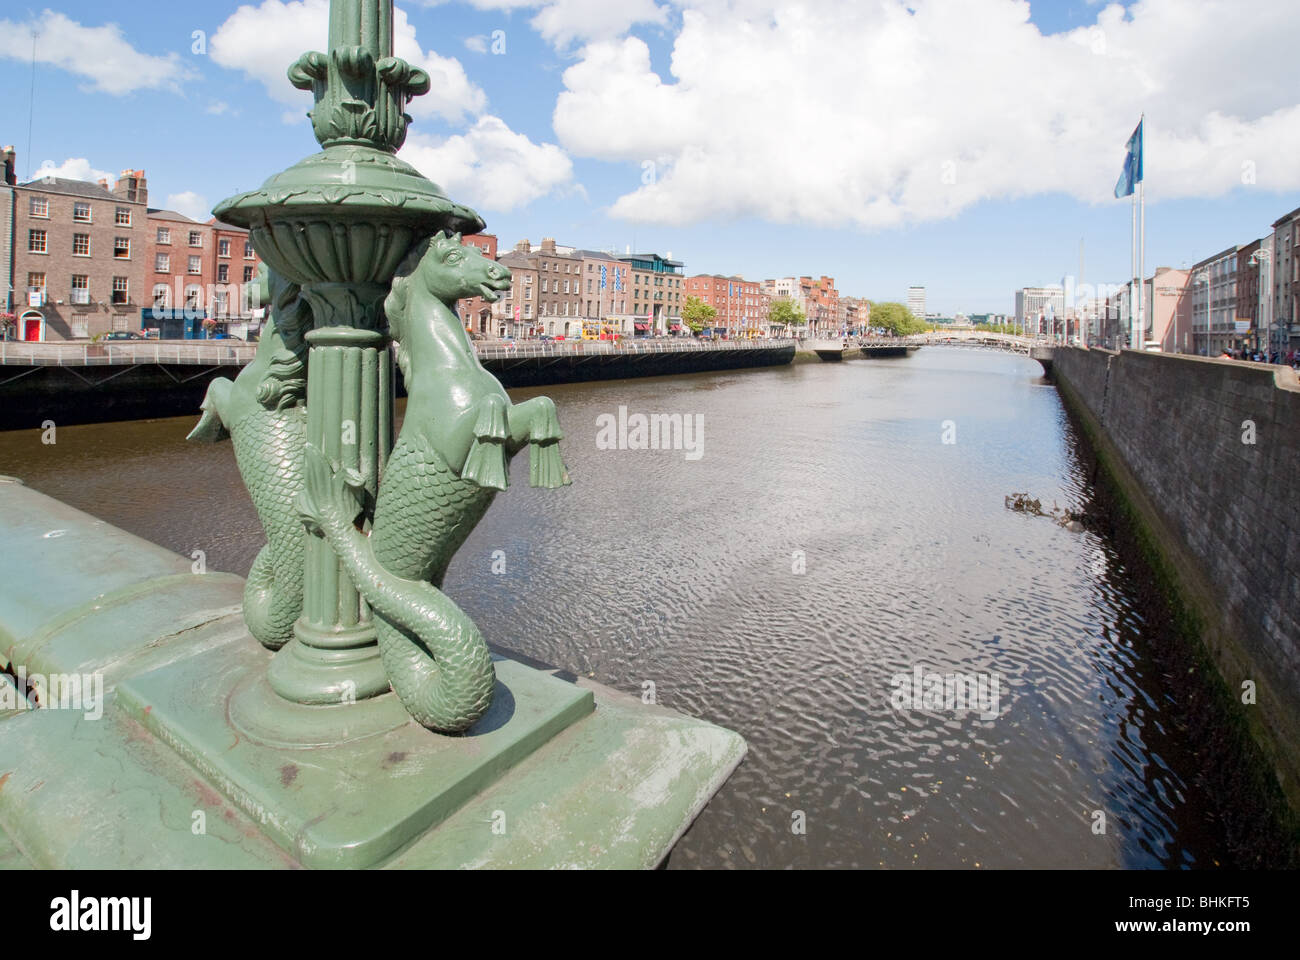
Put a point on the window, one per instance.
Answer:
(36, 241)
(121, 248)
(162, 296)
(195, 265)
(36, 283)
(192, 297)
(196, 238)
(223, 248)
(223, 273)
(121, 291)
(80, 288)
(220, 303)
(544, 290)
(81, 212)
(122, 217)
(41, 208)
(80, 326)
(81, 244)
(164, 235)
(248, 274)
(162, 263)
(566, 286)
(248, 249)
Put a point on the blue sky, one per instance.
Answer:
(952, 145)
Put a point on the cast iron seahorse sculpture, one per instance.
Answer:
(263, 413)
(451, 458)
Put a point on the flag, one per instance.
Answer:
(602, 276)
(1132, 175)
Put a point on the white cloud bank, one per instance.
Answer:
(193, 205)
(102, 55)
(490, 166)
(74, 168)
(863, 112)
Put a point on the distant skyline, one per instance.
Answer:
(967, 146)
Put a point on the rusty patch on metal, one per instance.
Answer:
(4, 778)
(288, 773)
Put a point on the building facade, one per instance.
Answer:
(1037, 308)
(7, 183)
(202, 279)
(79, 256)
(1214, 296)
(516, 312)
(742, 305)
(1284, 268)
(657, 293)
(605, 289)
(916, 301)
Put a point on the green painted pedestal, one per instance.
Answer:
(193, 761)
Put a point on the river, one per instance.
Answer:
(838, 526)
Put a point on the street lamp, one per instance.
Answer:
(1262, 258)
(1202, 276)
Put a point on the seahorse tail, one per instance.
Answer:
(269, 613)
(444, 677)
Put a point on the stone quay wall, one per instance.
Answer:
(1206, 454)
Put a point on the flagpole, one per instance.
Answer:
(1142, 260)
(1132, 270)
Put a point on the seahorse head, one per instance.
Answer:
(450, 271)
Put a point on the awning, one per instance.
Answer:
(641, 326)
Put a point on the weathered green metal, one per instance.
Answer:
(169, 777)
(337, 226)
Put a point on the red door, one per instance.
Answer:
(31, 329)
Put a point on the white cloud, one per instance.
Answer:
(219, 107)
(477, 43)
(490, 167)
(865, 113)
(193, 205)
(102, 55)
(568, 22)
(264, 40)
(74, 168)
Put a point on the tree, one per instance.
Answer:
(696, 314)
(896, 319)
(786, 313)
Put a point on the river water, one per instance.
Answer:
(836, 527)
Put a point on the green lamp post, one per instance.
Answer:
(338, 224)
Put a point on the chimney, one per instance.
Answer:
(523, 246)
(132, 187)
(11, 165)
(548, 244)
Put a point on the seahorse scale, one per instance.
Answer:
(423, 514)
(268, 450)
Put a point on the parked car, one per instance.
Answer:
(122, 335)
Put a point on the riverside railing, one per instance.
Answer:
(125, 353)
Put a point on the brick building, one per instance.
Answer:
(475, 312)
(198, 276)
(79, 253)
(742, 304)
(1284, 270)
